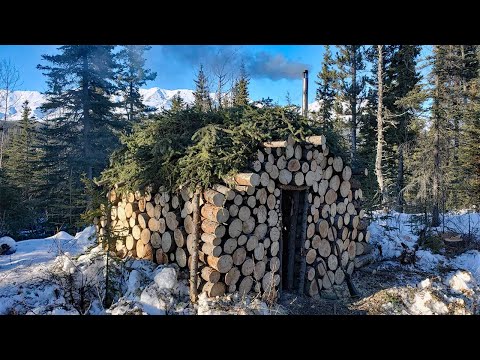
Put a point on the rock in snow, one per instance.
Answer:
(166, 278)
(7, 245)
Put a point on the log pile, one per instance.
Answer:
(240, 224)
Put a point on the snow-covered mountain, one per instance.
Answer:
(153, 97)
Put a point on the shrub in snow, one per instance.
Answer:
(7, 245)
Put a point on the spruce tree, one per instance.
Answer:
(352, 90)
(177, 102)
(240, 88)
(22, 168)
(326, 81)
(79, 130)
(132, 75)
(202, 96)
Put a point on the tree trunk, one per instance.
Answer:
(380, 140)
(436, 170)
(353, 106)
(87, 124)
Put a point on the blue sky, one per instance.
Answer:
(176, 66)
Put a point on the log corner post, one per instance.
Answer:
(196, 233)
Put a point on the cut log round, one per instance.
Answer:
(210, 239)
(322, 187)
(262, 214)
(212, 250)
(143, 220)
(141, 206)
(312, 287)
(309, 178)
(252, 243)
(148, 252)
(310, 273)
(244, 213)
(212, 227)
(323, 228)
(150, 209)
(259, 270)
(181, 257)
(264, 177)
(334, 182)
(261, 195)
(274, 173)
(223, 263)
(293, 165)
(285, 177)
(145, 236)
(168, 243)
(339, 276)
(130, 242)
(249, 179)
(272, 218)
(239, 256)
(299, 179)
(351, 267)
(344, 188)
(214, 289)
(171, 219)
(213, 213)
(275, 234)
(153, 224)
(281, 163)
(248, 266)
(316, 241)
(337, 164)
(271, 201)
(274, 248)
(156, 240)
(180, 237)
(238, 200)
(235, 228)
(233, 210)
(136, 232)
(332, 262)
(161, 257)
(210, 275)
(214, 197)
(310, 230)
(310, 257)
(140, 247)
(230, 246)
(274, 264)
(232, 277)
(330, 196)
(248, 225)
(162, 226)
(268, 282)
(242, 240)
(258, 252)
(260, 231)
(352, 250)
(226, 191)
(324, 248)
(322, 268)
(245, 286)
(347, 173)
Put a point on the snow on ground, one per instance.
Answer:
(65, 275)
(438, 283)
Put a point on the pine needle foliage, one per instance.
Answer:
(196, 148)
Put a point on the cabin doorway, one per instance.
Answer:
(293, 202)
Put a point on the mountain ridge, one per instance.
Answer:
(155, 97)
